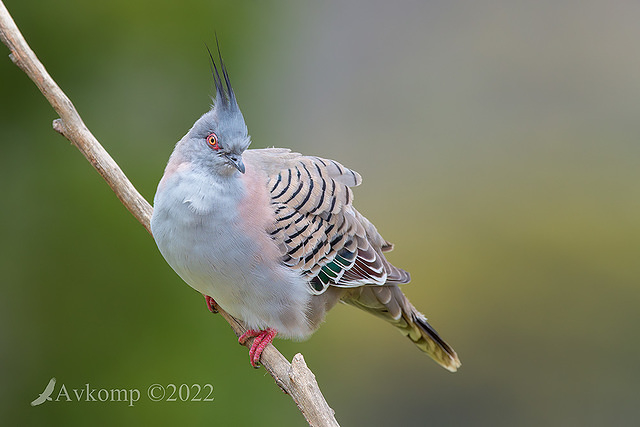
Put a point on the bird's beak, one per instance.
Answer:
(236, 160)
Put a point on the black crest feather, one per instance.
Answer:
(224, 91)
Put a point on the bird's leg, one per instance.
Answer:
(211, 304)
(262, 339)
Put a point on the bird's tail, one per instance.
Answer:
(389, 303)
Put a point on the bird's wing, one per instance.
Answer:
(49, 388)
(317, 228)
(38, 400)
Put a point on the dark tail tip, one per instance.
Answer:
(434, 346)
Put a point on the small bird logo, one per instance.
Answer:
(46, 394)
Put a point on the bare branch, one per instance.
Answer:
(295, 379)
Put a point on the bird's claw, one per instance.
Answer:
(260, 342)
(211, 304)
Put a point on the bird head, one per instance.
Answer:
(220, 136)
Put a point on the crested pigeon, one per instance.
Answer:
(272, 236)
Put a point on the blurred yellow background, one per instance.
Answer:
(499, 144)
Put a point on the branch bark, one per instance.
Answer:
(295, 378)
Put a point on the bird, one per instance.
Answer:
(46, 393)
(272, 237)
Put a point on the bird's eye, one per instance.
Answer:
(212, 140)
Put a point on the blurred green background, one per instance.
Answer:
(499, 143)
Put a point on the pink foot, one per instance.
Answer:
(262, 339)
(211, 304)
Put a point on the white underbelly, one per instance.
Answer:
(243, 274)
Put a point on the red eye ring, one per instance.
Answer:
(212, 140)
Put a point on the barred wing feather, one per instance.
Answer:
(317, 228)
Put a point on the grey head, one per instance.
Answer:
(218, 138)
